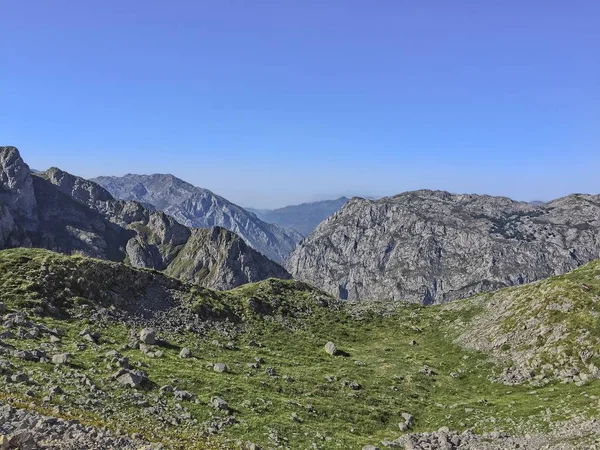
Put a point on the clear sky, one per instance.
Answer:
(275, 102)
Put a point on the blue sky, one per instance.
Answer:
(275, 102)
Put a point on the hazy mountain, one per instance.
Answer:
(65, 213)
(303, 218)
(432, 246)
(198, 207)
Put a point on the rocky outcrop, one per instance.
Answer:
(16, 187)
(64, 213)
(218, 258)
(544, 330)
(302, 218)
(432, 246)
(197, 207)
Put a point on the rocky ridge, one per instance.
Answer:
(433, 247)
(65, 213)
(201, 208)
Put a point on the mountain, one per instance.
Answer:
(197, 207)
(303, 218)
(67, 214)
(99, 355)
(432, 246)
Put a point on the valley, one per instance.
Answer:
(260, 350)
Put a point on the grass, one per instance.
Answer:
(378, 354)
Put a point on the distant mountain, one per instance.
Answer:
(68, 214)
(303, 218)
(433, 246)
(201, 208)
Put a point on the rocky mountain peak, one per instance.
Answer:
(16, 186)
(82, 190)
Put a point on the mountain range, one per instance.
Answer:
(68, 214)
(126, 329)
(201, 208)
(433, 246)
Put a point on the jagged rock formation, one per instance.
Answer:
(197, 207)
(217, 258)
(303, 218)
(432, 246)
(65, 213)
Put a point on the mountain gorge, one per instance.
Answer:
(303, 218)
(433, 246)
(67, 214)
(200, 208)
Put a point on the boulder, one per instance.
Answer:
(23, 440)
(130, 379)
(221, 368)
(409, 419)
(61, 359)
(219, 404)
(183, 395)
(148, 336)
(330, 348)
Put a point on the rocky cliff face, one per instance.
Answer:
(16, 187)
(197, 207)
(302, 218)
(64, 213)
(432, 247)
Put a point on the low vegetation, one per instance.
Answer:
(249, 365)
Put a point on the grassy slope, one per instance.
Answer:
(543, 327)
(389, 369)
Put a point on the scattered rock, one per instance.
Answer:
(61, 359)
(330, 348)
(219, 404)
(129, 378)
(183, 395)
(148, 336)
(409, 420)
(221, 368)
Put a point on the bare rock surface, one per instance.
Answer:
(433, 246)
